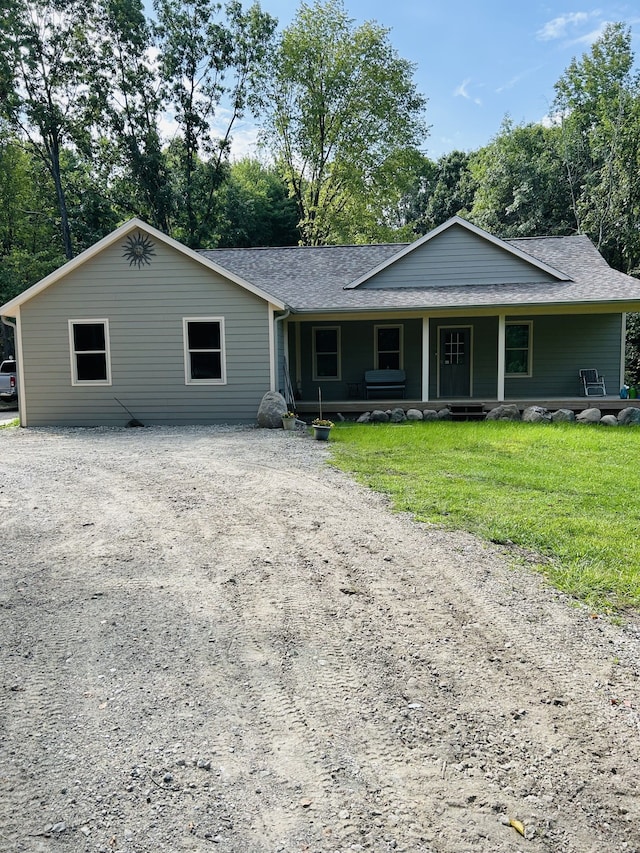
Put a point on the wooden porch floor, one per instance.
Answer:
(608, 405)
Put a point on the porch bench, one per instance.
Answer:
(384, 380)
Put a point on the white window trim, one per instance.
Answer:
(529, 373)
(188, 380)
(338, 331)
(376, 351)
(73, 353)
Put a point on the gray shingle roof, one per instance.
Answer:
(312, 279)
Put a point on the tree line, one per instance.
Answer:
(107, 113)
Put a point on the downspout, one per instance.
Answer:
(286, 354)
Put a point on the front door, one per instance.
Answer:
(454, 361)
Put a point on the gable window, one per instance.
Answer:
(388, 347)
(204, 351)
(90, 357)
(518, 349)
(326, 352)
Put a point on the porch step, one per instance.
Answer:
(467, 413)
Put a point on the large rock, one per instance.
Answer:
(414, 415)
(609, 420)
(444, 414)
(364, 418)
(536, 415)
(397, 416)
(430, 415)
(506, 412)
(379, 417)
(271, 409)
(629, 416)
(589, 416)
(563, 416)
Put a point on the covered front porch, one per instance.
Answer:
(456, 361)
(464, 408)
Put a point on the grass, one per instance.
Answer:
(12, 423)
(568, 493)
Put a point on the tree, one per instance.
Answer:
(521, 191)
(46, 52)
(28, 223)
(597, 104)
(205, 62)
(131, 103)
(449, 193)
(342, 105)
(255, 208)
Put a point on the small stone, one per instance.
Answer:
(203, 764)
(167, 777)
(59, 827)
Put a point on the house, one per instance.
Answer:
(140, 322)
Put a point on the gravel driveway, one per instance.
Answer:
(212, 640)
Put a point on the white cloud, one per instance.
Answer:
(462, 91)
(563, 25)
(591, 37)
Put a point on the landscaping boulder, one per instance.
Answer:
(430, 415)
(272, 407)
(444, 414)
(629, 416)
(609, 420)
(379, 417)
(563, 416)
(397, 416)
(414, 415)
(364, 418)
(589, 416)
(536, 415)
(506, 412)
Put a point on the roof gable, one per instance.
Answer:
(458, 253)
(128, 229)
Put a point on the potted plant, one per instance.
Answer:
(289, 420)
(321, 429)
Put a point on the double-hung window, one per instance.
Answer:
(388, 346)
(204, 356)
(90, 356)
(326, 353)
(518, 352)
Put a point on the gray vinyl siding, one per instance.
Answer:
(456, 257)
(357, 355)
(145, 308)
(563, 345)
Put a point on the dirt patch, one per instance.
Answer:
(212, 640)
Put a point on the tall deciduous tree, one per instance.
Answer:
(521, 191)
(131, 104)
(342, 106)
(46, 52)
(255, 208)
(597, 105)
(211, 63)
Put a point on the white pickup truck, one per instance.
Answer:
(8, 383)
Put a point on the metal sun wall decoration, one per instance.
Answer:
(138, 250)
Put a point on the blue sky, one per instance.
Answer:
(477, 60)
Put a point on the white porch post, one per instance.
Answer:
(623, 348)
(425, 358)
(501, 356)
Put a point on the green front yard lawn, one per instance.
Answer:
(569, 493)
